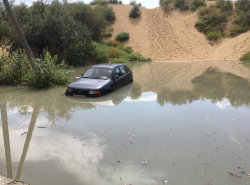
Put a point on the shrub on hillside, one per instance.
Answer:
(200, 25)
(132, 2)
(225, 6)
(120, 2)
(135, 12)
(128, 49)
(165, 4)
(107, 43)
(99, 2)
(242, 5)
(195, 4)
(109, 14)
(122, 36)
(214, 35)
(116, 43)
(212, 22)
(246, 58)
(237, 29)
(107, 35)
(113, 1)
(182, 4)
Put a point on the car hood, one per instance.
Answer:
(87, 83)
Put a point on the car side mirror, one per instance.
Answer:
(116, 77)
(82, 74)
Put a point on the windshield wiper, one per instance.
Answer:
(85, 77)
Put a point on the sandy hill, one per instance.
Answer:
(172, 36)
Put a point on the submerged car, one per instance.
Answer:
(100, 79)
(109, 100)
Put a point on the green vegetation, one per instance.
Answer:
(246, 59)
(17, 70)
(116, 52)
(212, 19)
(135, 12)
(182, 4)
(107, 35)
(122, 36)
(242, 18)
(99, 2)
(66, 30)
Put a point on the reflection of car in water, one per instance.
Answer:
(100, 79)
(111, 99)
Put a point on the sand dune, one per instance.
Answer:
(172, 36)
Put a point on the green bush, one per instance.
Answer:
(107, 35)
(246, 58)
(237, 29)
(55, 25)
(226, 6)
(17, 70)
(14, 69)
(135, 12)
(122, 36)
(47, 73)
(107, 43)
(202, 11)
(109, 14)
(99, 2)
(214, 35)
(128, 49)
(165, 4)
(100, 53)
(182, 4)
(120, 2)
(200, 25)
(78, 54)
(242, 5)
(132, 2)
(195, 4)
(212, 21)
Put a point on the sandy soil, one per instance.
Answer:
(172, 36)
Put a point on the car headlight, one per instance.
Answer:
(69, 90)
(94, 92)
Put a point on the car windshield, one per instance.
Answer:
(99, 73)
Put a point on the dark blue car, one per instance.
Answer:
(100, 79)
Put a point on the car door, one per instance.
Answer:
(117, 82)
(123, 75)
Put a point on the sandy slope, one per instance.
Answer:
(172, 36)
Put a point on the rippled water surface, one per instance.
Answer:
(178, 123)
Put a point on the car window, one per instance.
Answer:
(98, 73)
(117, 71)
(128, 70)
(123, 70)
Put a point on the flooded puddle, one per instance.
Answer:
(178, 123)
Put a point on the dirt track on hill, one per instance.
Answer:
(172, 36)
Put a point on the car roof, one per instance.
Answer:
(107, 65)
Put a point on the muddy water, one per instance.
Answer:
(178, 123)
